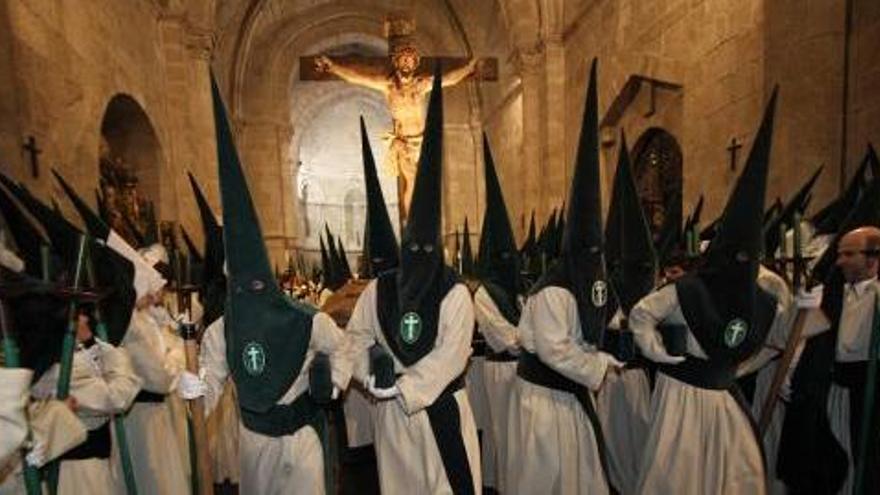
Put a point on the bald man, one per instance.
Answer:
(858, 257)
(848, 305)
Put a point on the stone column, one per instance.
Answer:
(530, 66)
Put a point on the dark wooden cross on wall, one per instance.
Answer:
(733, 149)
(31, 147)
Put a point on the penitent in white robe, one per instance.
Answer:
(499, 376)
(286, 464)
(157, 357)
(101, 388)
(623, 405)
(552, 446)
(700, 440)
(407, 454)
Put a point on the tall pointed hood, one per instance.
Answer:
(467, 253)
(213, 279)
(27, 238)
(411, 294)
(334, 277)
(267, 334)
(345, 268)
(382, 252)
(499, 262)
(629, 250)
(581, 267)
(529, 243)
(728, 276)
(146, 278)
(797, 204)
(828, 219)
(113, 273)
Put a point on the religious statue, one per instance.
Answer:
(120, 204)
(404, 88)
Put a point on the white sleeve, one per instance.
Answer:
(649, 312)
(329, 339)
(359, 333)
(113, 391)
(499, 333)
(423, 382)
(154, 365)
(212, 358)
(554, 319)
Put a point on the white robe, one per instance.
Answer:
(552, 446)
(700, 440)
(290, 463)
(623, 405)
(406, 451)
(153, 440)
(101, 389)
(499, 376)
(54, 427)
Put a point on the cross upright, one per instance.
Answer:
(410, 322)
(733, 149)
(31, 147)
(254, 354)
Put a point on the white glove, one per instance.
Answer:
(335, 394)
(191, 386)
(809, 299)
(610, 361)
(660, 356)
(36, 456)
(381, 393)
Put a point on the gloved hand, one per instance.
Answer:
(610, 361)
(660, 356)
(36, 456)
(191, 386)
(381, 393)
(335, 394)
(809, 299)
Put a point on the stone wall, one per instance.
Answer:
(67, 60)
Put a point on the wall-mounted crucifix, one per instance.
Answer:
(30, 146)
(733, 149)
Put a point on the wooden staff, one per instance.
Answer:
(62, 390)
(793, 338)
(187, 329)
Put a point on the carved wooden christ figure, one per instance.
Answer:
(404, 81)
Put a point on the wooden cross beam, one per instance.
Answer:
(488, 68)
(30, 146)
(733, 149)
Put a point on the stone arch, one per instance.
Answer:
(657, 164)
(129, 135)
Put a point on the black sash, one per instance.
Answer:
(149, 397)
(283, 419)
(500, 357)
(445, 419)
(532, 370)
(96, 446)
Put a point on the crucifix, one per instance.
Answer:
(31, 147)
(733, 149)
(404, 81)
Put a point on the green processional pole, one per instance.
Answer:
(62, 390)
(117, 419)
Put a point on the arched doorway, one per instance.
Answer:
(130, 161)
(326, 147)
(658, 170)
